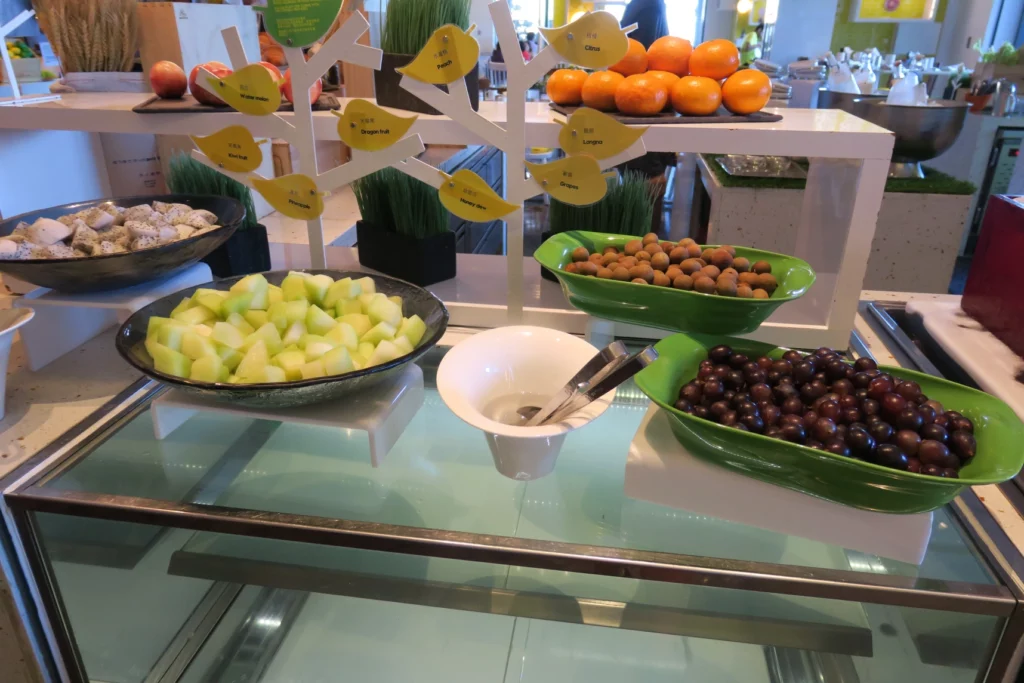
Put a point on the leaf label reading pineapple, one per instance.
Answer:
(449, 55)
(594, 41)
(589, 131)
(367, 127)
(250, 90)
(299, 23)
(294, 195)
(232, 148)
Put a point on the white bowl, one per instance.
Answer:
(497, 371)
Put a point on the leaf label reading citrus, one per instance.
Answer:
(594, 41)
(232, 148)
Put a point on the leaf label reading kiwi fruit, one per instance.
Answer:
(449, 55)
(469, 197)
(294, 195)
(367, 127)
(232, 148)
(299, 23)
(575, 180)
(594, 41)
(250, 90)
(589, 131)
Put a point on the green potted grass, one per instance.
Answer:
(247, 251)
(626, 209)
(404, 228)
(407, 27)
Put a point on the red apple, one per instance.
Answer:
(275, 73)
(168, 80)
(204, 96)
(314, 90)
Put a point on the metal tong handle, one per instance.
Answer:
(614, 374)
(607, 355)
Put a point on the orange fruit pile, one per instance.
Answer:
(694, 81)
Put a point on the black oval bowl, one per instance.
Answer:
(114, 271)
(415, 300)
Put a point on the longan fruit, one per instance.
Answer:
(690, 266)
(686, 241)
(767, 282)
(673, 272)
(632, 247)
(693, 250)
(749, 279)
(677, 255)
(702, 262)
(609, 259)
(721, 258)
(744, 292)
(580, 254)
(642, 271)
(760, 294)
(706, 254)
(610, 250)
(711, 271)
(726, 286)
(731, 272)
(731, 250)
(653, 249)
(627, 262)
(620, 273)
(638, 281)
(684, 282)
(596, 258)
(587, 268)
(643, 256)
(667, 246)
(661, 280)
(571, 267)
(741, 263)
(650, 238)
(762, 267)
(660, 261)
(604, 273)
(704, 285)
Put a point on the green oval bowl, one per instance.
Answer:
(663, 307)
(848, 481)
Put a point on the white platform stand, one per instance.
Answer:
(64, 322)
(991, 363)
(383, 411)
(659, 470)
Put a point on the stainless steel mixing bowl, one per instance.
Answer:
(922, 133)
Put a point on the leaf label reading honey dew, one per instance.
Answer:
(589, 131)
(594, 41)
(468, 196)
(232, 148)
(250, 90)
(299, 23)
(367, 127)
(449, 55)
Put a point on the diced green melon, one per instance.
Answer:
(207, 369)
(254, 360)
(343, 289)
(182, 307)
(294, 333)
(366, 299)
(231, 357)
(367, 285)
(256, 319)
(313, 369)
(269, 335)
(382, 310)
(317, 321)
(235, 379)
(278, 314)
(343, 334)
(358, 362)
(311, 339)
(384, 353)
(274, 294)
(295, 311)
(299, 273)
(365, 350)
(317, 287)
(268, 374)
(337, 361)
(349, 307)
(250, 283)
(237, 303)
(228, 335)
(169, 361)
(293, 288)
(379, 332)
(359, 322)
(403, 344)
(153, 325)
(291, 362)
(291, 347)
(241, 323)
(170, 335)
(195, 315)
(203, 329)
(317, 349)
(412, 328)
(396, 300)
(260, 300)
(150, 343)
(195, 345)
(212, 300)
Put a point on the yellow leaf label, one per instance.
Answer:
(468, 196)
(232, 148)
(250, 90)
(449, 55)
(293, 195)
(589, 131)
(367, 127)
(594, 41)
(574, 180)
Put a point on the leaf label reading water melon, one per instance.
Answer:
(299, 23)
(589, 131)
(367, 127)
(232, 148)
(250, 90)
(594, 41)
(449, 55)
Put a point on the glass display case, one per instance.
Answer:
(240, 549)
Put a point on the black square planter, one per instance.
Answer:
(389, 94)
(247, 251)
(419, 261)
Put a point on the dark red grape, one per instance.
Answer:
(718, 409)
(962, 424)
(914, 465)
(842, 387)
(792, 406)
(684, 406)
(892, 405)
(950, 473)
(752, 422)
(739, 426)
(761, 392)
(849, 415)
(936, 406)
(729, 418)
(847, 402)
(952, 415)
(772, 431)
(740, 397)
(793, 433)
(765, 363)
(891, 455)
(837, 446)
(841, 431)
(879, 387)
(935, 453)
(738, 360)
(820, 376)
(792, 356)
(909, 441)
(772, 377)
(783, 391)
(783, 367)
(941, 421)
(812, 391)
(829, 409)
(691, 392)
(810, 417)
(705, 373)
(824, 429)
(864, 363)
(701, 412)
(814, 443)
(881, 431)
(861, 380)
(927, 414)
(909, 390)
(791, 420)
(756, 377)
(803, 371)
(722, 370)
(835, 370)
(771, 414)
(720, 354)
(713, 390)
(860, 394)
(728, 394)
(861, 444)
(935, 433)
(747, 408)
(909, 419)
(932, 470)
(734, 380)
(869, 406)
(963, 444)
(824, 351)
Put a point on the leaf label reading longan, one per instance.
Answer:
(594, 41)
(294, 195)
(575, 180)
(250, 90)
(469, 197)
(299, 23)
(232, 148)
(589, 131)
(367, 127)
(449, 55)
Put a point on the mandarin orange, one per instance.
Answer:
(696, 96)
(641, 95)
(565, 86)
(635, 61)
(715, 59)
(670, 54)
(746, 92)
(599, 90)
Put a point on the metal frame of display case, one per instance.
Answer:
(26, 495)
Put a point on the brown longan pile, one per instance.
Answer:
(683, 265)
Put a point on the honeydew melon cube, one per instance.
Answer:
(358, 362)
(384, 353)
(169, 361)
(212, 300)
(171, 334)
(379, 332)
(291, 347)
(203, 291)
(241, 323)
(313, 369)
(256, 319)
(269, 335)
(365, 350)
(234, 379)
(317, 287)
(254, 360)
(317, 349)
(365, 300)
(412, 328)
(396, 300)
(195, 345)
(382, 310)
(349, 307)
(195, 315)
(224, 374)
(207, 369)
(260, 300)
(291, 362)
(403, 344)
(278, 314)
(237, 303)
(295, 311)
(229, 356)
(293, 288)
(150, 343)
(308, 339)
(345, 288)
(337, 361)
(182, 307)
(299, 273)
(154, 324)
(268, 374)
(274, 294)
(250, 283)
(203, 329)
(294, 333)
(317, 321)
(228, 335)
(359, 322)
(343, 334)
(367, 285)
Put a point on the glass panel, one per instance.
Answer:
(440, 475)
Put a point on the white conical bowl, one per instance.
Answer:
(500, 370)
